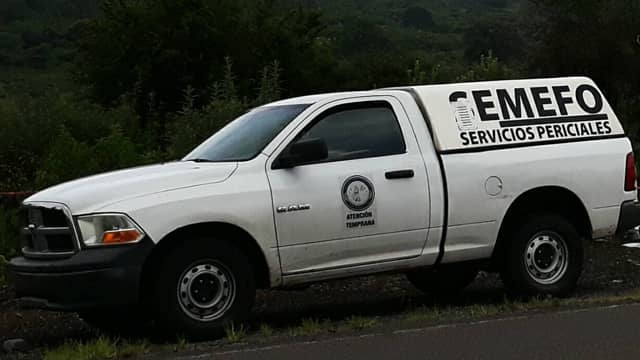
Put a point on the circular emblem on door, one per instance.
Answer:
(357, 193)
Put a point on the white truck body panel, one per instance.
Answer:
(583, 168)
(318, 239)
(516, 112)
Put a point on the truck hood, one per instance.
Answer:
(94, 193)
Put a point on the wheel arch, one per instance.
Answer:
(186, 234)
(551, 199)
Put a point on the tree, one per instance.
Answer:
(360, 37)
(154, 49)
(489, 68)
(595, 38)
(418, 17)
(498, 34)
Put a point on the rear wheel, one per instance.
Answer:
(444, 280)
(203, 287)
(543, 257)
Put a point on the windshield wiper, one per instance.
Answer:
(200, 160)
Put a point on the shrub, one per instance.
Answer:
(52, 139)
(3, 270)
(489, 68)
(9, 232)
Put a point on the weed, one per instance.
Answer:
(310, 327)
(99, 349)
(423, 314)
(129, 349)
(3, 270)
(360, 323)
(102, 348)
(234, 334)
(180, 344)
(265, 330)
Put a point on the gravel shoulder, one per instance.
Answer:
(610, 269)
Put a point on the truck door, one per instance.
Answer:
(366, 202)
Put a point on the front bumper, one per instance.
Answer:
(629, 220)
(92, 278)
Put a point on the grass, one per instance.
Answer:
(181, 344)
(102, 348)
(509, 307)
(235, 335)
(129, 350)
(309, 327)
(265, 331)
(98, 349)
(423, 313)
(359, 323)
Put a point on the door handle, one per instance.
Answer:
(399, 174)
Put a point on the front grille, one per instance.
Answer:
(48, 232)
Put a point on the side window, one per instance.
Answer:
(354, 131)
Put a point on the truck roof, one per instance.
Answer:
(309, 99)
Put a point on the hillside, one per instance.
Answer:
(93, 85)
(36, 36)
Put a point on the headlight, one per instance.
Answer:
(108, 229)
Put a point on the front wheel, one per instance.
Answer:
(202, 287)
(544, 257)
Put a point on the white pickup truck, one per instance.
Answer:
(433, 181)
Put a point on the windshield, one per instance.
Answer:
(246, 136)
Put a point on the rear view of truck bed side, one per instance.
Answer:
(527, 164)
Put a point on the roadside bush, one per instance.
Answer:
(3, 270)
(190, 126)
(489, 68)
(68, 158)
(52, 139)
(9, 234)
(628, 110)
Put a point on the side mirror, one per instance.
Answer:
(302, 152)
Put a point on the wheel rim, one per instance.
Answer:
(546, 257)
(206, 291)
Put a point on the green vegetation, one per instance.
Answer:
(102, 348)
(107, 348)
(360, 323)
(265, 330)
(9, 238)
(310, 327)
(88, 86)
(3, 271)
(235, 334)
(181, 344)
(423, 314)
(9, 231)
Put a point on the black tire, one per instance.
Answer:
(216, 262)
(444, 280)
(120, 321)
(534, 245)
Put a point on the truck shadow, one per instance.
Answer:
(383, 296)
